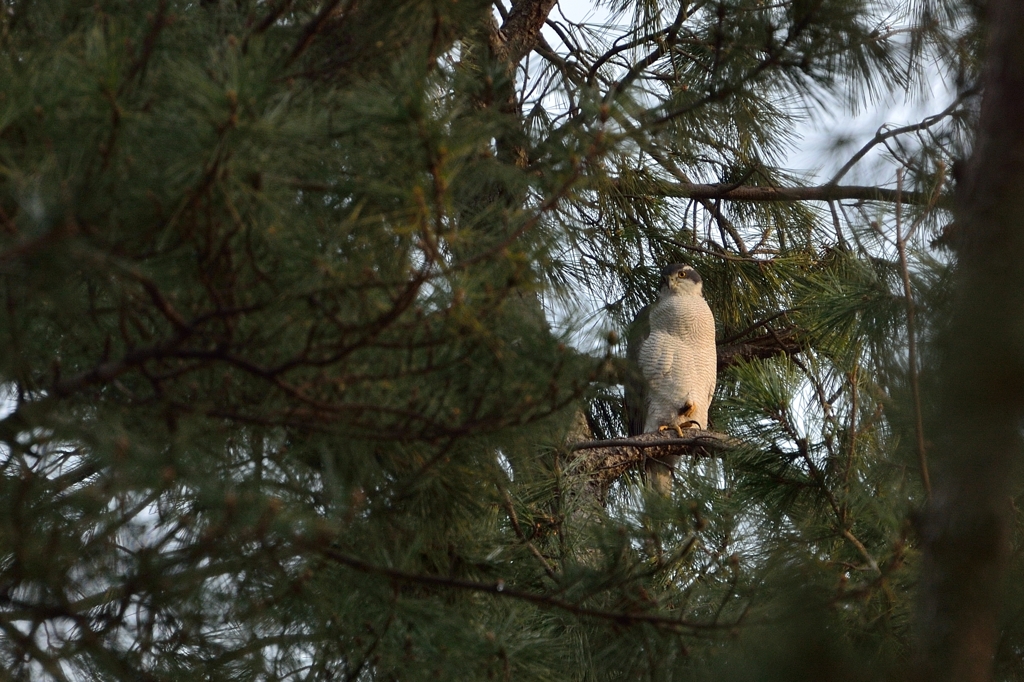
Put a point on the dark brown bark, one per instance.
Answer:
(966, 528)
(508, 45)
(520, 32)
(808, 193)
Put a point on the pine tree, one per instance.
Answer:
(298, 331)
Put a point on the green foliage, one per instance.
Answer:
(286, 392)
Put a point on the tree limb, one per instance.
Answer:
(731, 192)
(601, 462)
(521, 30)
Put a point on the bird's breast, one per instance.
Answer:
(686, 316)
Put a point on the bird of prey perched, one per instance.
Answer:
(673, 344)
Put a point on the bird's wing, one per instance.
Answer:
(636, 393)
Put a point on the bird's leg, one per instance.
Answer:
(686, 410)
(679, 426)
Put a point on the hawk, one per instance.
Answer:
(674, 348)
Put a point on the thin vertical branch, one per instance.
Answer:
(853, 425)
(908, 297)
(840, 239)
(514, 518)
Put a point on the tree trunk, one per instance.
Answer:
(966, 528)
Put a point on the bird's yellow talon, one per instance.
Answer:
(675, 427)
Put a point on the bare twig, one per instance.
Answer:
(884, 134)
(840, 239)
(819, 479)
(664, 44)
(272, 16)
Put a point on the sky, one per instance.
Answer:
(814, 150)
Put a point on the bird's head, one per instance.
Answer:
(681, 279)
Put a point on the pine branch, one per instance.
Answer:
(603, 461)
(784, 342)
(138, 66)
(514, 519)
(312, 29)
(749, 193)
(500, 589)
(668, 164)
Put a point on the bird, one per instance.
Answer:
(672, 342)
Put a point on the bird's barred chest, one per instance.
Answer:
(682, 315)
